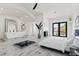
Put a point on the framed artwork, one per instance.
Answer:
(10, 25)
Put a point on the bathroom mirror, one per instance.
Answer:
(10, 25)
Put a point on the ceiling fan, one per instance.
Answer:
(35, 6)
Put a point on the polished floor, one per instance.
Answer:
(7, 48)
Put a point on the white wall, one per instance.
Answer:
(2, 27)
(19, 33)
(47, 25)
(62, 19)
(32, 29)
(48, 20)
(28, 31)
(75, 14)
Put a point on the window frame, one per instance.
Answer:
(59, 29)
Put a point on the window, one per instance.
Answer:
(59, 29)
(55, 29)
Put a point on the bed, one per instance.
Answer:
(58, 43)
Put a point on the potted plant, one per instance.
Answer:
(39, 26)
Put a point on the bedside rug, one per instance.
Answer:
(24, 43)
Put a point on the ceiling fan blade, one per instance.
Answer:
(35, 6)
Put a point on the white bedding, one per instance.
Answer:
(15, 34)
(55, 43)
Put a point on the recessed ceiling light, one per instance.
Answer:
(2, 8)
(17, 11)
(22, 18)
(54, 11)
(26, 16)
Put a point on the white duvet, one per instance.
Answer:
(55, 43)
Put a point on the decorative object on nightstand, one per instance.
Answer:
(45, 33)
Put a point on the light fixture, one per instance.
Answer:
(26, 16)
(55, 12)
(17, 11)
(2, 8)
(22, 18)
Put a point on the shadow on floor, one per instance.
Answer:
(57, 51)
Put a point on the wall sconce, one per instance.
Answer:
(70, 18)
(22, 27)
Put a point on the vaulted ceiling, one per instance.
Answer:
(25, 10)
(15, 10)
(52, 8)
